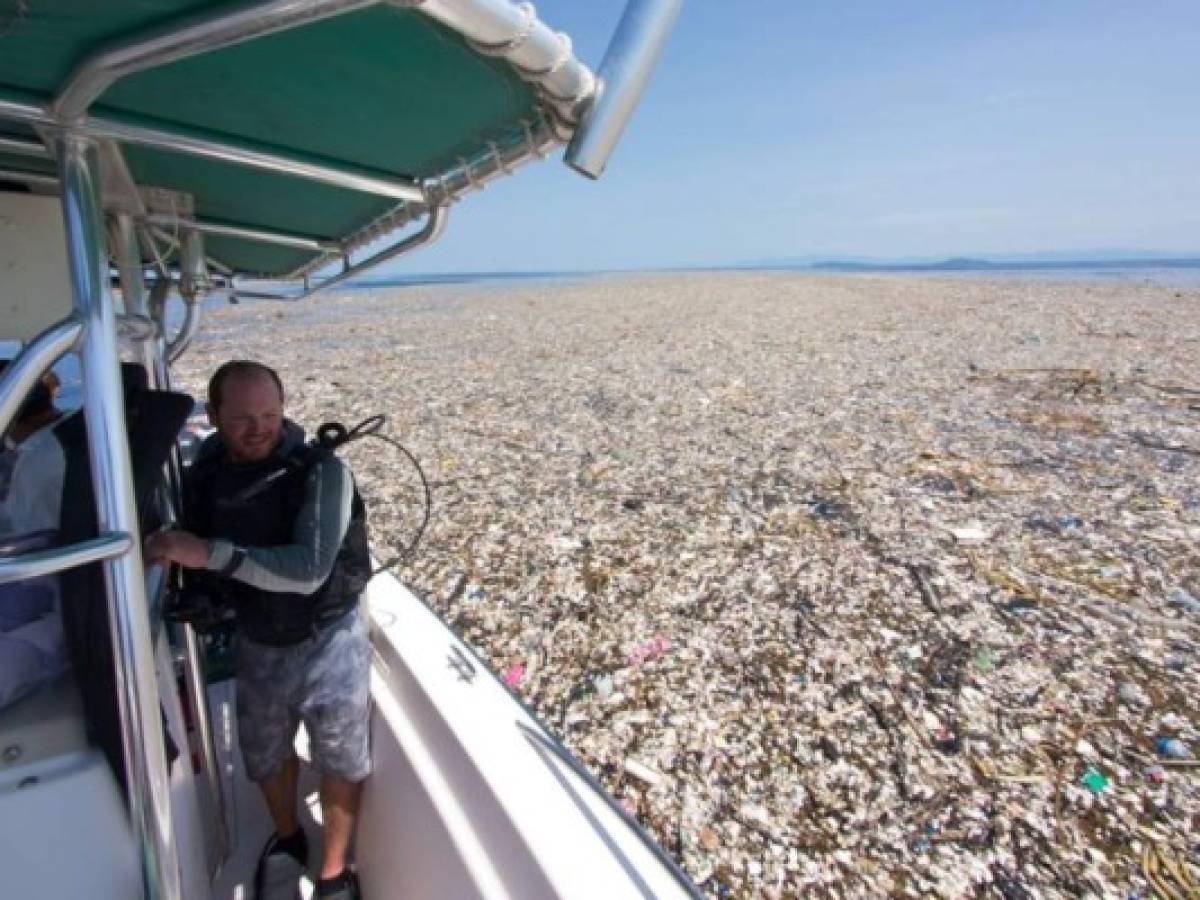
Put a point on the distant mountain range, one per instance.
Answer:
(1098, 259)
(966, 264)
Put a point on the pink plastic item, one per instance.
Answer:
(514, 675)
(649, 650)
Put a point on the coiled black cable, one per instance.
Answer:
(331, 437)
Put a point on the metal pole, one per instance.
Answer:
(352, 178)
(258, 235)
(48, 562)
(191, 324)
(631, 56)
(443, 190)
(349, 177)
(33, 179)
(133, 289)
(181, 39)
(432, 229)
(23, 373)
(22, 147)
(196, 681)
(108, 448)
(129, 264)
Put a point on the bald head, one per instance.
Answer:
(245, 403)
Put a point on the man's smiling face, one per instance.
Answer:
(250, 417)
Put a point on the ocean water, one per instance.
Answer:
(1185, 273)
(1181, 275)
(475, 279)
(1166, 276)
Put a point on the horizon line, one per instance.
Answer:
(958, 261)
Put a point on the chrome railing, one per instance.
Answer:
(624, 73)
(351, 178)
(148, 782)
(92, 331)
(59, 559)
(22, 374)
(152, 349)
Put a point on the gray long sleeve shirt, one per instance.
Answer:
(302, 565)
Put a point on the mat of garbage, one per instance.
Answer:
(862, 586)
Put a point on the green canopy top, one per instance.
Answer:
(429, 97)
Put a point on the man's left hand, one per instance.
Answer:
(180, 547)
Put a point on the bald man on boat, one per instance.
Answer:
(281, 534)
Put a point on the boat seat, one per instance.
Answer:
(154, 420)
(63, 827)
(47, 723)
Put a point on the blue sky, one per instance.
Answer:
(783, 128)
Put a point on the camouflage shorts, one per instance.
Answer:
(324, 683)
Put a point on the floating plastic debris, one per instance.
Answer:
(514, 674)
(766, 469)
(643, 772)
(649, 650)
(1094, 780)
(985, 660)
(1171, 748)
(1131, 694)
(1181, 599)
(971, 535)
(604, 686)
(947, 741)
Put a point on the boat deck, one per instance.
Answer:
(246, 812)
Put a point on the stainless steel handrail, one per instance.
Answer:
(59, 559)
(127, 251)
(239, 232)
(147, 781)
(448, 187)
(135, 328)
(124, 239)
(24, 372)
(435, 223)
(353, 179)
(178, 40)
(21, 147)
(631, 55)
(195, 680)
(178, 345)
(349, 177)
(36, 179)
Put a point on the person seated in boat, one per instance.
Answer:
(32, 650)
(35, 414)
(284, 537)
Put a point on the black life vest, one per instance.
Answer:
(216, 507)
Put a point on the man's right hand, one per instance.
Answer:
(180, 547)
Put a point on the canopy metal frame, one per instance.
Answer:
(148, 780)
(576, 105)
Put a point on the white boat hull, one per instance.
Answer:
(469, 797)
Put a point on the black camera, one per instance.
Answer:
(200, 599)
